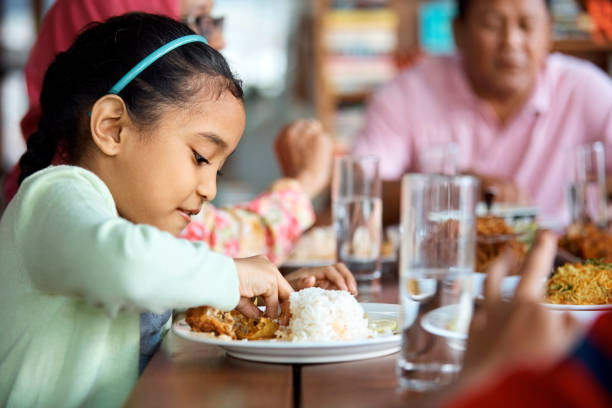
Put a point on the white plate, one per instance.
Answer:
(443, 322)
(509, 284)
(274, 351)
(440, 322)
(585, 314)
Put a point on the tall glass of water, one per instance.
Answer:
(357, 215)
(589, 185)
(436, 263)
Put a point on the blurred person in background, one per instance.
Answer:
(268, 225)
(515, 111)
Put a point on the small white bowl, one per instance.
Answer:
(509, 284)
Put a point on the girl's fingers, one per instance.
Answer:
(348, 278)
(247, 308)
(285, 313)
(324, 284)
(332, 274)
(537, 266)
(303, 283)
(284, 289)
(271, 301)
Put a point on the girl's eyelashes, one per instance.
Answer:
(199, 159)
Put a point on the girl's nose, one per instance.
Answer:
(207, 187)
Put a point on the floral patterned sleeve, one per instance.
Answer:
(269, 225)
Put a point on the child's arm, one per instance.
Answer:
(268, 225)
(71, 242)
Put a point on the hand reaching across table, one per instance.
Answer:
(521, 353)
(521, 331)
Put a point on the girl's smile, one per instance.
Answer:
(187, 214)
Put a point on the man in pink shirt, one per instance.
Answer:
(515, 112)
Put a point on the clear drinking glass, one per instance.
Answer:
(357, 215)
(437, 254)
(588, 190)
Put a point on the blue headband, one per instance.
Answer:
(151, 58)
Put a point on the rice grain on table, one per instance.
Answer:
(325, 315)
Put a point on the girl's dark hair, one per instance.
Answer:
(99, 57)
(464, 5)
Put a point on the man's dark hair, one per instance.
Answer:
(464, 5)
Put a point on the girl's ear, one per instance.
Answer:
(109, 118)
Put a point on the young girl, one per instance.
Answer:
(146, 115)
(268, 225)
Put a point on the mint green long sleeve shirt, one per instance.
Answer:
(74, 277)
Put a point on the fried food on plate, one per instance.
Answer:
(233, 324)
(493, 237)
(586, 241)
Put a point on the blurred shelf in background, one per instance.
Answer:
(599, 53)
(570, 46)
(355, 44)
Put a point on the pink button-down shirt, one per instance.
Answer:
(433, 104)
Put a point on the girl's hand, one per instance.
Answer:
(305, 152)
(259, 277)
(327, 277)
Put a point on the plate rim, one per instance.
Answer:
(265, 358)
(577, 308)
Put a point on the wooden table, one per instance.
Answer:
(188, 374)
(184, 374)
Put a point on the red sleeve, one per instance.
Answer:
(584, 379)
(567, 385)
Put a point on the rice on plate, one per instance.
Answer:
(325, 315)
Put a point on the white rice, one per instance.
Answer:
(325, 315)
